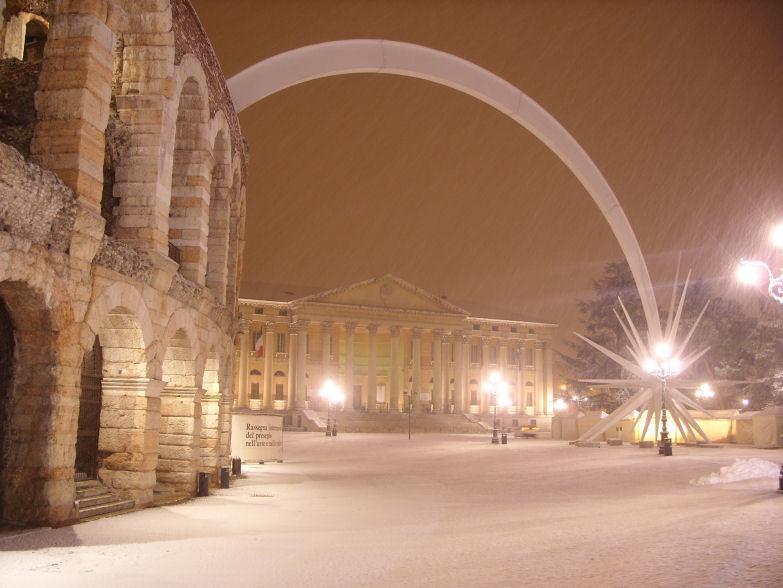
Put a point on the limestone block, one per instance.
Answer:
(184, 481)
(87, 234)
(147, 70)
(130, 461)
(129, 419)
(176, 439)
(179, 453)
(99, 8)
(149, 22)
(127, 440)
(73, 103)
(178, 425)
(170, 466)
(83, 25)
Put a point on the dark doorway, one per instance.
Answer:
(89, 414)
(357, 397)
(34, 41)
(6, 384)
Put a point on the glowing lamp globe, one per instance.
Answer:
(750, 274)
(663, 350)
(560, 405)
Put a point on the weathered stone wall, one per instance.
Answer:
(166, 330)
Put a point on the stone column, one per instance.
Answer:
(293, 356)
(130, 423)
(548, 387)
(394, 401)
(301, 366)
(416, 388)
(326, 356)
(350, 331)
(244, 352)
(210, 437)
(520, 380)
(438, 400)
(459, 373)
(539, 395)
(465, 398)
(73, 95)
(372, 378)
(484, 400)
(225, 430)
(269, 355)
(445, 380)
(179, 441)
(503, 357)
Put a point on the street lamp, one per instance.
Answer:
(755, 272)
(333, 394)
(663, 366)
(705, 391)
(497, 387)
(560, 405)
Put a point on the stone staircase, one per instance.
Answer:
(93, 499)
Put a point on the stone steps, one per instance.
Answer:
(93, 499)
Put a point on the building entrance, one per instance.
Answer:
(89, 414)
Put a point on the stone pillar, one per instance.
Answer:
(179, 441)
(394, 367)
(210, 437)
(503, 357)
(539, 394)
(130, 421)
(459, 374)
(301, 366)
(549, 382)
(326, 356)
(269, 355)
(465, 398)
(350, 331)
(484, 398)
(72, 101)
(445, 381)
(225, 429)
(293, 356)
(244, 352)
(520, 392)
(416, 388)
(438, 400)
(372, 378)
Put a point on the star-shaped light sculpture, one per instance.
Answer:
(657, 372)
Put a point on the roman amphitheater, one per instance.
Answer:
(122, 174)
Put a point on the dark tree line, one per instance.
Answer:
(742, 346)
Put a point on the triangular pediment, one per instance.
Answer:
(387, 292)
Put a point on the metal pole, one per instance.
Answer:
(666, 443)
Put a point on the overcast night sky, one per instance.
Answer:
(680, 105)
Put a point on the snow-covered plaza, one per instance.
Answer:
(439, 510)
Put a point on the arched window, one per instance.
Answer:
(34, 40)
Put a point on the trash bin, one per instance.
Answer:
(224, 477)
(203, 484)
(236, 466)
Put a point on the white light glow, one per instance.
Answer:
(776, 236)
(745, 402)
(494, 377)
(750, 274)
(560, 405)
(332, 392)
(705, 391)
(650, 365)
(663, 350)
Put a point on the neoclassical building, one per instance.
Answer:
(384, 339)
(122, 187)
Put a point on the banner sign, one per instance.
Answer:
(257, 437)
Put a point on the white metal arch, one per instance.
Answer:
(380, 56)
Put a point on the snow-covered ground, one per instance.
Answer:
(440, 510)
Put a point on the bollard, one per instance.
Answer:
(236, 466)
(504, 438)
(224, 477)
(780, 481)
(334, 431)
(203, 484)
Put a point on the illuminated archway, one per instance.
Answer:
(392, 57)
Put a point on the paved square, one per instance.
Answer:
(439, 510)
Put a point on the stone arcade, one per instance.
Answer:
(121, 223)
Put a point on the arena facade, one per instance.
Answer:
(388, 343)
(122, 174)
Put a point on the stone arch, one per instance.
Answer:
(31, 432)
(188, 223)
(179, 444)
(25, 37)
(219, 207)
(392, 57)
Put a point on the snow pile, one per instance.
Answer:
(741, 469)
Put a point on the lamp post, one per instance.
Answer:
(498, 388)
(663, 367)
(754, 272)
(333, 394)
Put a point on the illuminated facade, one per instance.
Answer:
(384, 339)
